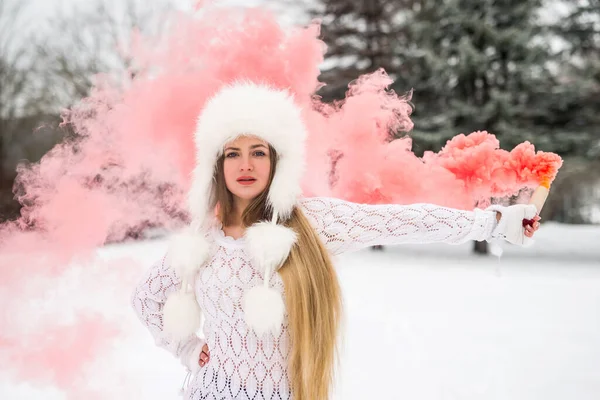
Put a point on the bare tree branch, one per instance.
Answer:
(52, 68)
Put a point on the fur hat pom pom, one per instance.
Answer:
(269, 244)
(181, 315)
(187, 253)
(264, 309)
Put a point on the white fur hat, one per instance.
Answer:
(243, 108)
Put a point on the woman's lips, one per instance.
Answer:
(246, 180)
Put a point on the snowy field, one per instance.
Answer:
(429, 322)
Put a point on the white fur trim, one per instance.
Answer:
(187, 253)
(246, 108)
(263, 309)
(200, 196)
(285, 188)
(510, 227)
(269, 244)
(181, 315)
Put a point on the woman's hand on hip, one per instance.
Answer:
(204, 356)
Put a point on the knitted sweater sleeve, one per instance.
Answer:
(148, 299)
(344, 226)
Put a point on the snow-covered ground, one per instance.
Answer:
(429, 322)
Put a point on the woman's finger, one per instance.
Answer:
(204, 357)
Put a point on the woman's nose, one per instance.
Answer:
(246, 164)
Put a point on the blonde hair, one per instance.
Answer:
(312, 292)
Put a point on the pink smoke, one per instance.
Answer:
(59, 354)
(369, 168)
(129, 166)
(127, 169)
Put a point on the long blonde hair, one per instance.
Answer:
(312, 292)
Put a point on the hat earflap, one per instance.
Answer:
(269, 245)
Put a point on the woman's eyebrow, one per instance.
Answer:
(254, 146)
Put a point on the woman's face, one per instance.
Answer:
(246, 167)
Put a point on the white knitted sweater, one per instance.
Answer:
(244, 366)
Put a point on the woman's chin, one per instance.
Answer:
(247, 194)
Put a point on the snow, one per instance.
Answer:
(429, 322)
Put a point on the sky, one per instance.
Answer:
(43, 8)
(37, 15)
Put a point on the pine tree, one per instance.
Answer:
(473, 65)
(577, 114)
(361, 37)
(488, 68)
(575, 118)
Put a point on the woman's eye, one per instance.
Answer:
(259, 153)
(231, 155)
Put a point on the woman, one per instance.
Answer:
(256, 258)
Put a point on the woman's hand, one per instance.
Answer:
(531, 229)
(204, 356)
(513, 223)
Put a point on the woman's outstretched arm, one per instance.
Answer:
(345, 226)
(148, 300)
